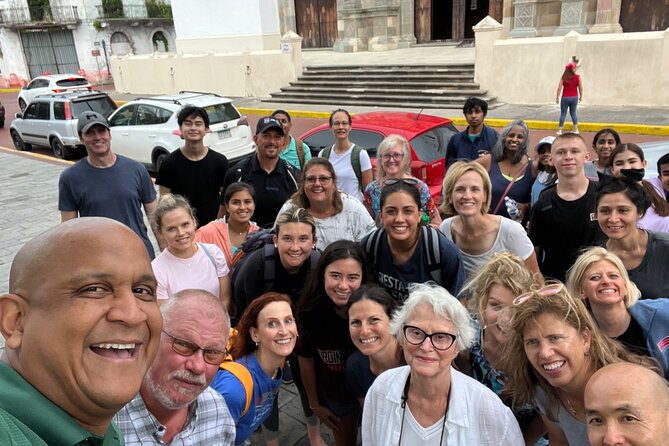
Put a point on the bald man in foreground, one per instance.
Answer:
(82, 327)
(627, 404)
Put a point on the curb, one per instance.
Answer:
(36, 156)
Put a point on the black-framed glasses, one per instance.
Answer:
(416, 336)
(394, 156)
(187, 348)
(322, 179)
(409, 181)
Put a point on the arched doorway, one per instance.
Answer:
(120, 44)
(160, 42)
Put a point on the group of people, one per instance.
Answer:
(477, 320)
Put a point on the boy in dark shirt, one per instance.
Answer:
(477, 139)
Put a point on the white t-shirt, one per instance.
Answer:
(346, 179)
(175, 274)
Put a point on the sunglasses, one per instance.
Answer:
(548, 290)
(409, 181)
(186, 348)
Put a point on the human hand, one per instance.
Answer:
(327, 417)
(557, 100)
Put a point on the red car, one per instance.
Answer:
(427, 135)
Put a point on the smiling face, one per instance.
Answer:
(97, 141)
(515, 138)
(424, 359)
(285, 122)
(393, 162)
(569, 155)
(369, 326)
(400, 216)
(91, 325)
(294, 243)
(240, 207)
(342, 277)
(341, 126)
(626, 160)
(603, 285)
(318, 185)
(496, 312)
(193, 128)
(556, 350)
(178, 228)
(268, 144)
(469, 197)
(276, 333)
(604, 145)
(617, 216)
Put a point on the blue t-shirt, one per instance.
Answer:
(117, 192)
(359, 376)
(265, 390)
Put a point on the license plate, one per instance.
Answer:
(222, 134)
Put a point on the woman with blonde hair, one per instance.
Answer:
(600, 278)
(478, 234)
(394, 164)
(553, 349)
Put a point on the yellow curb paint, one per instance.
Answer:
(639, 129)
(293, 113)
(36, 156)
(9, 90)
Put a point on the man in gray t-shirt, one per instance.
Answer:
(104, 184)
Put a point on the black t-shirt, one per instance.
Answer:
(272, 189)
(634, 340)
(359, 376)
(562, 228)
(199, 181)
(652, 274)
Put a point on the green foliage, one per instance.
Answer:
(39, 10)
(112, 8)
(97, 25)
(158, 9)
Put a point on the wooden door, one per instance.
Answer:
(423, 20)
(316, 22)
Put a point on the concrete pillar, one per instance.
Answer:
(572, 17)
(524, 18)
(407, 36)
(291, 43)
(607, 19)
(287, 20)
(486, 32)
(349, 29)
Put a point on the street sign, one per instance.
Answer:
(95, 53)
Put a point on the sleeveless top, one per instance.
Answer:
(521, 190)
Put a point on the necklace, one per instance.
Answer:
(405, 399)
(570, 408)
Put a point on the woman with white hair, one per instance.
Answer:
(393, 163)
(428, 402)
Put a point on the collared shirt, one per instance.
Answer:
(28, 418)
(476, 416)
(209, 423)
(461, 147)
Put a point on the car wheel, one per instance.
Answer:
(58, 149)
(159, 161)
(18, 142)
(22, 105)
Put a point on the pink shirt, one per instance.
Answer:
(570, 89)
(175, 274)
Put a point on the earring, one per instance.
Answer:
(275, 246)
(257, 344)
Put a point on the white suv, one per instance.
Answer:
(146, 129)
(51, 83)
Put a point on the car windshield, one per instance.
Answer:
(431, 145)
(72, 82)
(101, 104)
(221, 113)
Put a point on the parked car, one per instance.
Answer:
(51, 121)
(51, 83)
(653, 151)
(428, 136)
(146, 129)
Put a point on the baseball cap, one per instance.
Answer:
(548, 140)
(89, 119)
(267, 123)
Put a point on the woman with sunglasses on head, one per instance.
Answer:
(266, 336)
(404, 251)
(338, 215)
(324, 340)
(395, 157)
(511, 171)
(478, 234)
(491, 293)
(350, 161)
(621, 203)
(229, 232)
(369, 311)
(428, 402)
(553, 349)
(600, 279)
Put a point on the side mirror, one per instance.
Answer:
(18, 115)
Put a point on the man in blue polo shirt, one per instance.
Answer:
(81, 326)
(477, 139)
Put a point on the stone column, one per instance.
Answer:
(572, 17)
(352, 35)
(524, 18)
(607, 19)
(407, 36)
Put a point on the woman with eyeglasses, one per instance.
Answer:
(600, 279)
(404, 251)
(395, 157)
(478, 234)
(621, 203)
(428, 402)
(266, 336)
(338, 215)
(553, 349)
(324, 340)
(350, 161)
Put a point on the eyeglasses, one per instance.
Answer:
(548, 290)
(416, 336)
(341, 124)
(186, 348)
(393, 156)
(322, 179)
(409, 181)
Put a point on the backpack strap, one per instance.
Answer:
(431, 246)
(208, 254)
(355, 163)
(269, 270)
(326, 153)
(373, 245)
(299, 148)
(244, 376)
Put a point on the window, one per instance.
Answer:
(42, 110)
(124, 116)
(319, 140)
(101, 104)
(431, 145)
(31, 111)
(221, 113)
(147, 115)
(72, 82)
(366, 139)
(59, 111)
(120, 45)
(160, 42)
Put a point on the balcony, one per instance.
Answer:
(38, 17)
(150, 11)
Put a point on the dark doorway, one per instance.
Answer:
(442, 19)
(644, 15)
(316, 22)
(475, 11)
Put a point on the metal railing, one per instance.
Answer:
(133, 12)
(50, 14)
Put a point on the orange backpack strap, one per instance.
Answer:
(244, 376)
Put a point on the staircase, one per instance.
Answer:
(415, 86)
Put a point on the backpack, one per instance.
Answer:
(299, 148)
(431, 249)
(355, 161)
(240, 372)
